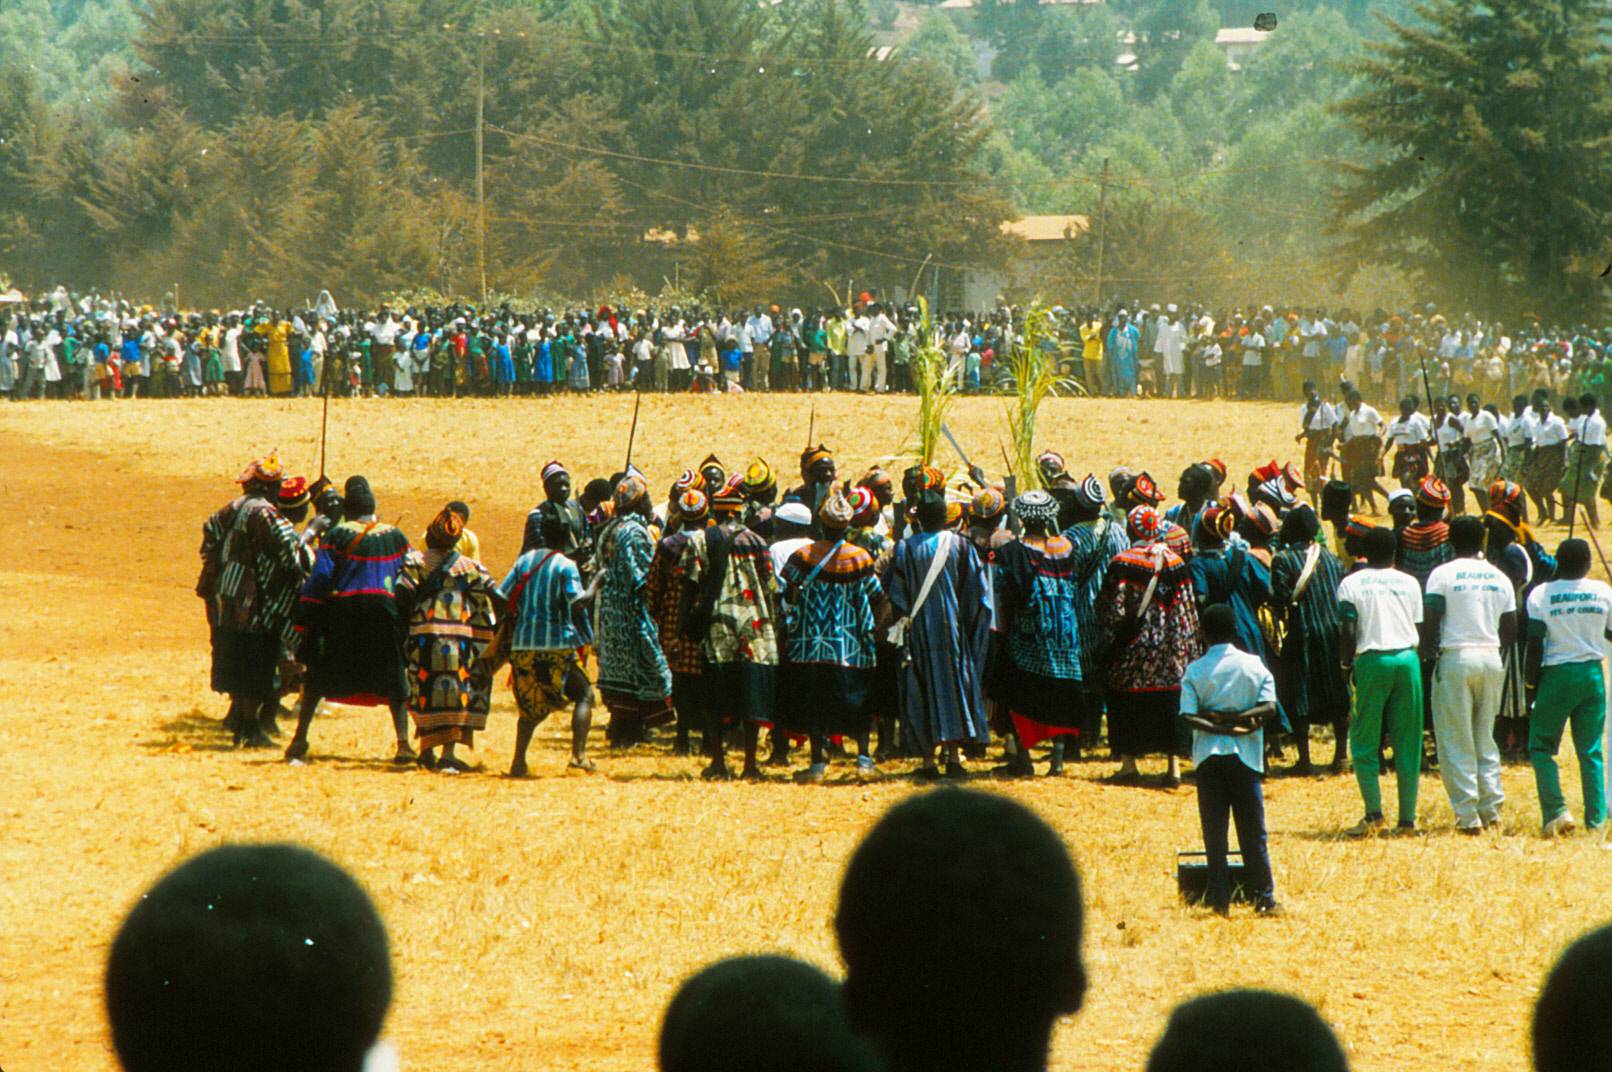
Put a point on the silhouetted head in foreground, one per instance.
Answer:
(959, 922)
(1247, 1031)
(760, 1014)
(1571, 1027)
(249, 958)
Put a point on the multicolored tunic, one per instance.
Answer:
(741, 643)
(249, 581)
(941, 694)
(450, 624)
(1148, 620)
(1423, 548)
(830, 594)
(1310, 682)
(1094, 544)
(633, 676)
(666, 590)
(351, 625)
(1037, 596)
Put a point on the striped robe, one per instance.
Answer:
(942, 697)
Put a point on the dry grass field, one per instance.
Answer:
(543, 924)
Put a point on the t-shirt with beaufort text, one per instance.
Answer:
(1386, 606)
(1573, 616)
(1472, 594)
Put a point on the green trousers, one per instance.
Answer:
(1572, 693)
(1388, 687)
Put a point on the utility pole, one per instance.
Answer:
(481, 189)
(1102, 198)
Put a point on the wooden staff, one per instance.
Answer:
(324, 420)
(638, 400)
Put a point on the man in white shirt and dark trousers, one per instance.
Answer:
(1226, 697)
(1470, 611)
(1568, 621)
(1381, 607)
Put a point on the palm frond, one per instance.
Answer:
(937, 383)
(1035, 372)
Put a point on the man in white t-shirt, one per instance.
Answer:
(1471, 610)
(1381, 608)
(1568, 621)
(881, 329)
(859, 351)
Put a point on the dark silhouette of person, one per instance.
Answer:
(1247, 1031)
(959, 921)
(249, 958)
(1571, 1027)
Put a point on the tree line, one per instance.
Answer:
(1452, 150)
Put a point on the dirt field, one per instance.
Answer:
(544, 924)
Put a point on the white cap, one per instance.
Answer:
(794, 513)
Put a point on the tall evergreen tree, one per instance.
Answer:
(1497, 120)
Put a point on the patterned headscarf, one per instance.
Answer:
(1269, 471)
(931, 478)
(294, 492)
(1216, 523)
(445, 530)
(730, 498)
(1091, 493)
(836, 512)
(1507, 506)
(1176, 539)
(1433, 492)
(864, 507)
(988, 504)
(692, 505)
(553, 469)
(688, 478)
(1274, 493)
(1037, 508)
(1051, 463)
(1292, 477)
(713, 462)
(630, 493)
(1143, 524)
(811, 456)
(264, 470)
(1145, 491)
(758, 478)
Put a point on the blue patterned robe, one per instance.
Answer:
(1095, 543)
(942, 699)
(631, 662)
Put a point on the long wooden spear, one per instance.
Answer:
(638, 400)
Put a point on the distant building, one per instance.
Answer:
(1238, 43)
(1044, 241)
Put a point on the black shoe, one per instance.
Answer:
(296, 751)
(1017, 767)
(1267, 906)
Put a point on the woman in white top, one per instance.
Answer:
(1362, 445)
(1586, 458)
(1547, 460)
(1411, 439)
(1449, 436)
(1483, 449)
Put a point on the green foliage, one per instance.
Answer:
(1495, 122)
(1032, 362)
(939, 41)
(937, 382)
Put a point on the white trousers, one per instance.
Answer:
(870, 371)
(1467, 686)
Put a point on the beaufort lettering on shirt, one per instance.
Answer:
(1574, 616)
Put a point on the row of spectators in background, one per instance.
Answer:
(91, 346)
